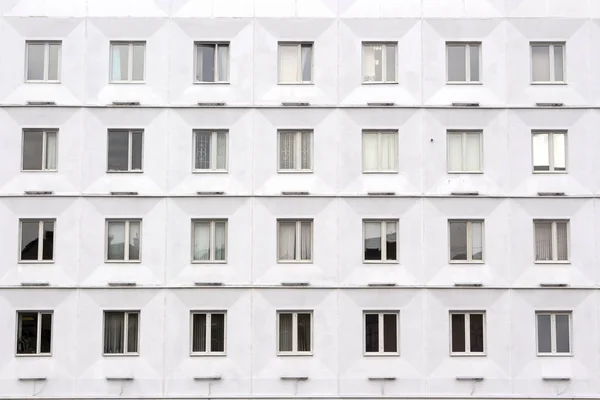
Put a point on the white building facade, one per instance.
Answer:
(251, 199)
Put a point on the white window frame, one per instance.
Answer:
(297, 150)
(550, 46)
(129, 151)
(299, 80)
(463, 141)
(555, 259)
(468, 351)
(46, 60)
(382, 223)
(381, 329)
(38, 350)
(379, 133)
(469, 241)
(126, 240)
(295, 351)
(215, 63)
(298, 223)
(553, 352)
(467, 46)
(41, 223)
(550, 133)
(45, 133)
(126, 314)
(383, 61)
(213, 151)
(130, 44)
(207, 344)
(212, 223)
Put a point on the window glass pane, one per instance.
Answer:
(306, 241)
(458, 240)
(390, 62)
(368, 63)
(543, 241)
(48, 241)
(32, 150)
(116, 241)
(458, 333)
(120, 62)
(287, 141)
(202, 150)
(473, 151)
(474, 65)
(285, 332)
(118, 150)
(540, 61)
(134, 240)
(306, 59)
(220, 239)
(287, 240)
(560, 151)
(35, 61)
(455, 151)
(477, 241)
(541, 158)
(199, 333)
(221, 150)
(217, 332)
(457, 67)
(223, 62)
(114, 332)
(372, 240)
(51, 148)
(304, 332)
(29, 240)
(562, 242)
(543, 333)
(46, 334)
(288, 63)
(372, 333)
(387, 161)
(136, 151)
(370, 151)
(53, 61)
(390, 333)
(201, 241)
(558, 63)
(390, 241)
(139, 51)
(206, 63)
(476, 332)
(378, 54)
(27, 334)
(562, 334)
(305, 151)
(132, 332)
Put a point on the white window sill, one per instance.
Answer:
(460, 262)
(121, 354)
(390, 354)
(127, 82)
(384, 262)
(294, 261)
(296, 83)
(208, 262)
(484, 354)
(292, 354)
(555, 354)
(379, 83)
(465, 83)
(381, 172)
(43, 82)
(134, 171)
(211, 83)
(549, 83)
(552, 262)
(209, 171)
(36, 171)
(295, 171)
(213, 354)
(550, 172)
(33, 355)
(465, 172)
(36, 261)
(122, 261)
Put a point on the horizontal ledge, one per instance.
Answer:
(218, 285)
(382, 378)
(33, 378)
(119, 378)
(208, 378)
(470, 378)
(294, 378)
(556, 378)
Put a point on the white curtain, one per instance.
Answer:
(114, 332)
(388, 152)
(306, 59)
(120, 62)
(288, 63)
(223, 62)
(562, 241)
(116, 241)
(476, 241)
(543, 241)
(51, 150)
(220, 238)
(370, 151)
(134, 240)
(473, 151)
(455, 151)
(287, 240)
(390, 62)
(558, 63)
(306, 156)
(201, 241)
(560, 151)
(199, 333)
(540, 61)
(137, 73)
(305, 240)
(541, 157)
(287, 151)
(303, 332)
(285, 332)
(221, 150)
(368, 63)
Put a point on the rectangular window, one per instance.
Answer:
(37, 240)
(465, 151)
(295, 240)
(34, 332)
(294, 332)
(380, 240)
(467, 333)
(210, 151)
(551, 240)
(295, 62)
(123, 240)
(464, 62)
(466, 241)
(295, 150)
(208, 333)
(121, 334)
(548, 62)
(212, 62)
(380, 151)
(553, 332)
(125, 150)
(549, 151)
(381, 333)
(209, 239)
(43, 62)
(127, 61)
(39, 150)
(379, 62)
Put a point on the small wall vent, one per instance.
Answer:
(41, 103)
(200, 193)
(464, 104)
(380, 104)
(549, 104)
(381, 193)
(215, 104)
(38, 192)
(464, 193)
(546, 194)
(123, 193)
(125, 103)
(294, 104)
(295, 193)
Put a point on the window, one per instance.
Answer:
(551, 240)
(295, 240)
(553, 332)
(210, 151)
(548, 62)
(39, 150)
(34, 332)
(37, 240)
(43, 61)
(127, 61)
(549, 151)
(295, 151)
(212, 62)
(380, 151)
(210, 240)
(121, 334)
(466, 241)
(208, 333)
(467, 333)
(120, 232)
(294, 332)
(465, 151)
(381, 333)
(379, 62)
(464, 62)
(295, 62)
(125, 151)
(380, 240)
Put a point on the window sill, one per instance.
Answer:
(550, 172)
(396, 354)
(549, 83)
(465, 172)
(209, 171)
(120, 355)
(43, 82)
(383, 262)
(127, 82)
(124, 172)
(379, 83)
(206, 262)
(208, 354)
(554, 354)
(37, 171)
(380, 172)
(542, 262)
(468, 354)
(295, 83)
(33, 355)
(302, 354)
(465, 83)
(463, 262)
(211, 83)
(294, 261)
(295, 171)
(36, 261)
(122, 261)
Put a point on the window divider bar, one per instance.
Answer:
(130, 62)
(467, 62)
(553, 333)
(125, 331)
(46, 61)
(467, 333)
(126, 240)
(380, 337)
(295, 332)
(40, 255)
(551, 60)
(38, 334)
(129, 151)
(213, 151)
(208, 347)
